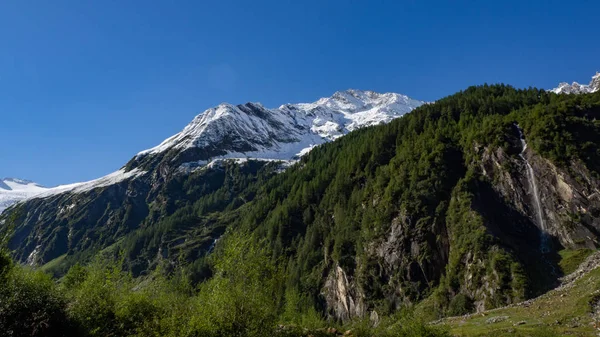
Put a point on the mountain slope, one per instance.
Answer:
(14, 190)
(573, 309)
(440, 204)
(83, 218)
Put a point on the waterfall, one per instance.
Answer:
(533, 187)
(212, 246)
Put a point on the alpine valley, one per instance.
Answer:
(367, 203)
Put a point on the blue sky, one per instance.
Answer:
(85, 85)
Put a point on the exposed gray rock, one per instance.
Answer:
(344, 299)
(570, 197)
(496, 319)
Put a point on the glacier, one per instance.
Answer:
(13, 190)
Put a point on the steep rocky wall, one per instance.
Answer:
(570, 196)
(344, 297)
(510, 266)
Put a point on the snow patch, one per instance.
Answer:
(21, 190)
(291, 129)
(14, 190)
(108, 180)
(218, 163)
(576, 88)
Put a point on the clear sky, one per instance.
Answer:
(85, 85)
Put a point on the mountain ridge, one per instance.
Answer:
(353, 108)
(13, 190)
(576, 88)
(344, 104)
(251, 130)
(219, 139)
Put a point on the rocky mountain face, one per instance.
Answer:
(576, 88)
(504, 200)
(14, 190)
(252, 131)
(523, 233)
(569, 196)
(459, 206)
(565, 214)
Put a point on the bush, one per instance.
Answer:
(30, 305)
(93, 303)
(242, 298)
(460, 305)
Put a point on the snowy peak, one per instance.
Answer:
(365, 108)
(360, 100)
(240, 132)
(253, 131)
(595, 83)
(242, 128)
(353, 101)
(14, 190)
(18, 184)
(576, 88)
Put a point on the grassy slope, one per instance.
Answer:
(571, 259)
(564, 311)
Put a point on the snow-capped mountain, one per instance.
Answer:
(576, 88)
(252, 131)
(14, 190)
(240, 132)
(149, 185)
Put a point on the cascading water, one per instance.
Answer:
(536, 195)
(212, 246)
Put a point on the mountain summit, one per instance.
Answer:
(253, 131)
(576, 88)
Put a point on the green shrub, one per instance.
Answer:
(30, 305)
(74, 277)
(242, 297)
(93, 303)
(460, 305)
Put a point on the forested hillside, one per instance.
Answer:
(437, 203)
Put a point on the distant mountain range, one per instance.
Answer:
(252, 131)
(576, 88)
